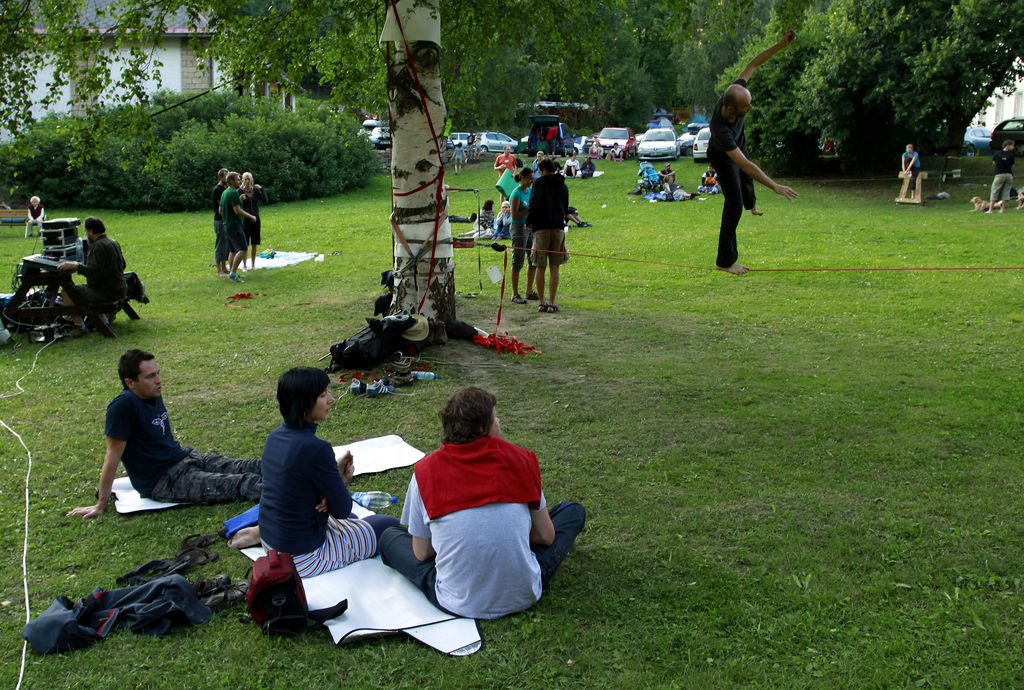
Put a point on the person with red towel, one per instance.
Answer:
(481, 541)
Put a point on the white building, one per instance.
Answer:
(1003, 106)
(174, 65)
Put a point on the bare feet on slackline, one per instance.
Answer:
(244, 538)
(735, 269)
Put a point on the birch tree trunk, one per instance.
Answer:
(424, 261)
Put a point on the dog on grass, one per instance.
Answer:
(979, 203)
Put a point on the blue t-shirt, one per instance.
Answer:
(298, 470)
(524, 202)
(150, 447)
(917, 159)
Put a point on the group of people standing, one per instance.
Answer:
(236, 200)
(540, 210)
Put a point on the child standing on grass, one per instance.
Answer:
(459, 159)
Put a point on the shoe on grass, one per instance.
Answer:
(518, 299)
(532, 295)
(235, 277)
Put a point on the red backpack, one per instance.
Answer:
(276, 599)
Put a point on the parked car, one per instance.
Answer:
(581, 144)
(537, 138)
(685, 143)
(700, 144)
(657, 143)
(494, 142)
(459, 138)
(623, 136)
(1009, 129)
(380, 137)
(976, 141)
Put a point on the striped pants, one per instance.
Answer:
(346, 541)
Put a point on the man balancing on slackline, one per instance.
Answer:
(736, 172)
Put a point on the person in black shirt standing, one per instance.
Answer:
(736, 172)
(1003, 162)
(220, 242)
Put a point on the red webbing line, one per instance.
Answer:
(501, 297)
(433, 133)
(413, 191)
(792, 270)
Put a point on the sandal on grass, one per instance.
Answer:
(543, 308)
(532, 295)
(553, 309)
(518, 299)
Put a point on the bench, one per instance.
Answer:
(914, 196)
(13, 216)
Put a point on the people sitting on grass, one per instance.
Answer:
(588, 168)
(138, 433)
(484, 224)
(595, 150)
(709, 182)
(480, 540)
(503, 223)
(536, 162)
(35, 215)
(572, 166)
(574, 216)
(650, 180)
(306, 507)
(667, 174)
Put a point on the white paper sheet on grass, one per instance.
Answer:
(369, 456)
(282, 259)
(381, 601)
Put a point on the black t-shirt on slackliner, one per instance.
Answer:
(726, 136)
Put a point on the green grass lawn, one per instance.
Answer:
(792, 479)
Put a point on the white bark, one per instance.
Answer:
(424, 263)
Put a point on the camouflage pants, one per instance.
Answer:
(210, 478)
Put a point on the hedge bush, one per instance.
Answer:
(311, 153)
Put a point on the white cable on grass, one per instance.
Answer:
(24, 551)
(28, 476)
(17, 384)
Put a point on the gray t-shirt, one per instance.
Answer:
(485, 568)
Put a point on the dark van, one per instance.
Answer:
(547, 134)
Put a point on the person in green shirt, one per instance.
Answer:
(234, 231)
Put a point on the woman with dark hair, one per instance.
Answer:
(305, 509)
(519, 206)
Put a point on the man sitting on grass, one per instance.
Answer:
(481, 542)
(138, 432)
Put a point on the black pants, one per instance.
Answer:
(738, 190)
(210, 478)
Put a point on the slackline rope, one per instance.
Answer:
(809, 269)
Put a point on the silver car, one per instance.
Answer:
(495, 142)
(700, 144)
(657, 143)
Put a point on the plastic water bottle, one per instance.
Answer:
(374, 500)
(424, 375)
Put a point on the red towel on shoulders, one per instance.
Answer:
(458, 476)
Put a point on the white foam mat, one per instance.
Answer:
(368, 457)
(380, 454)
(381, 601)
